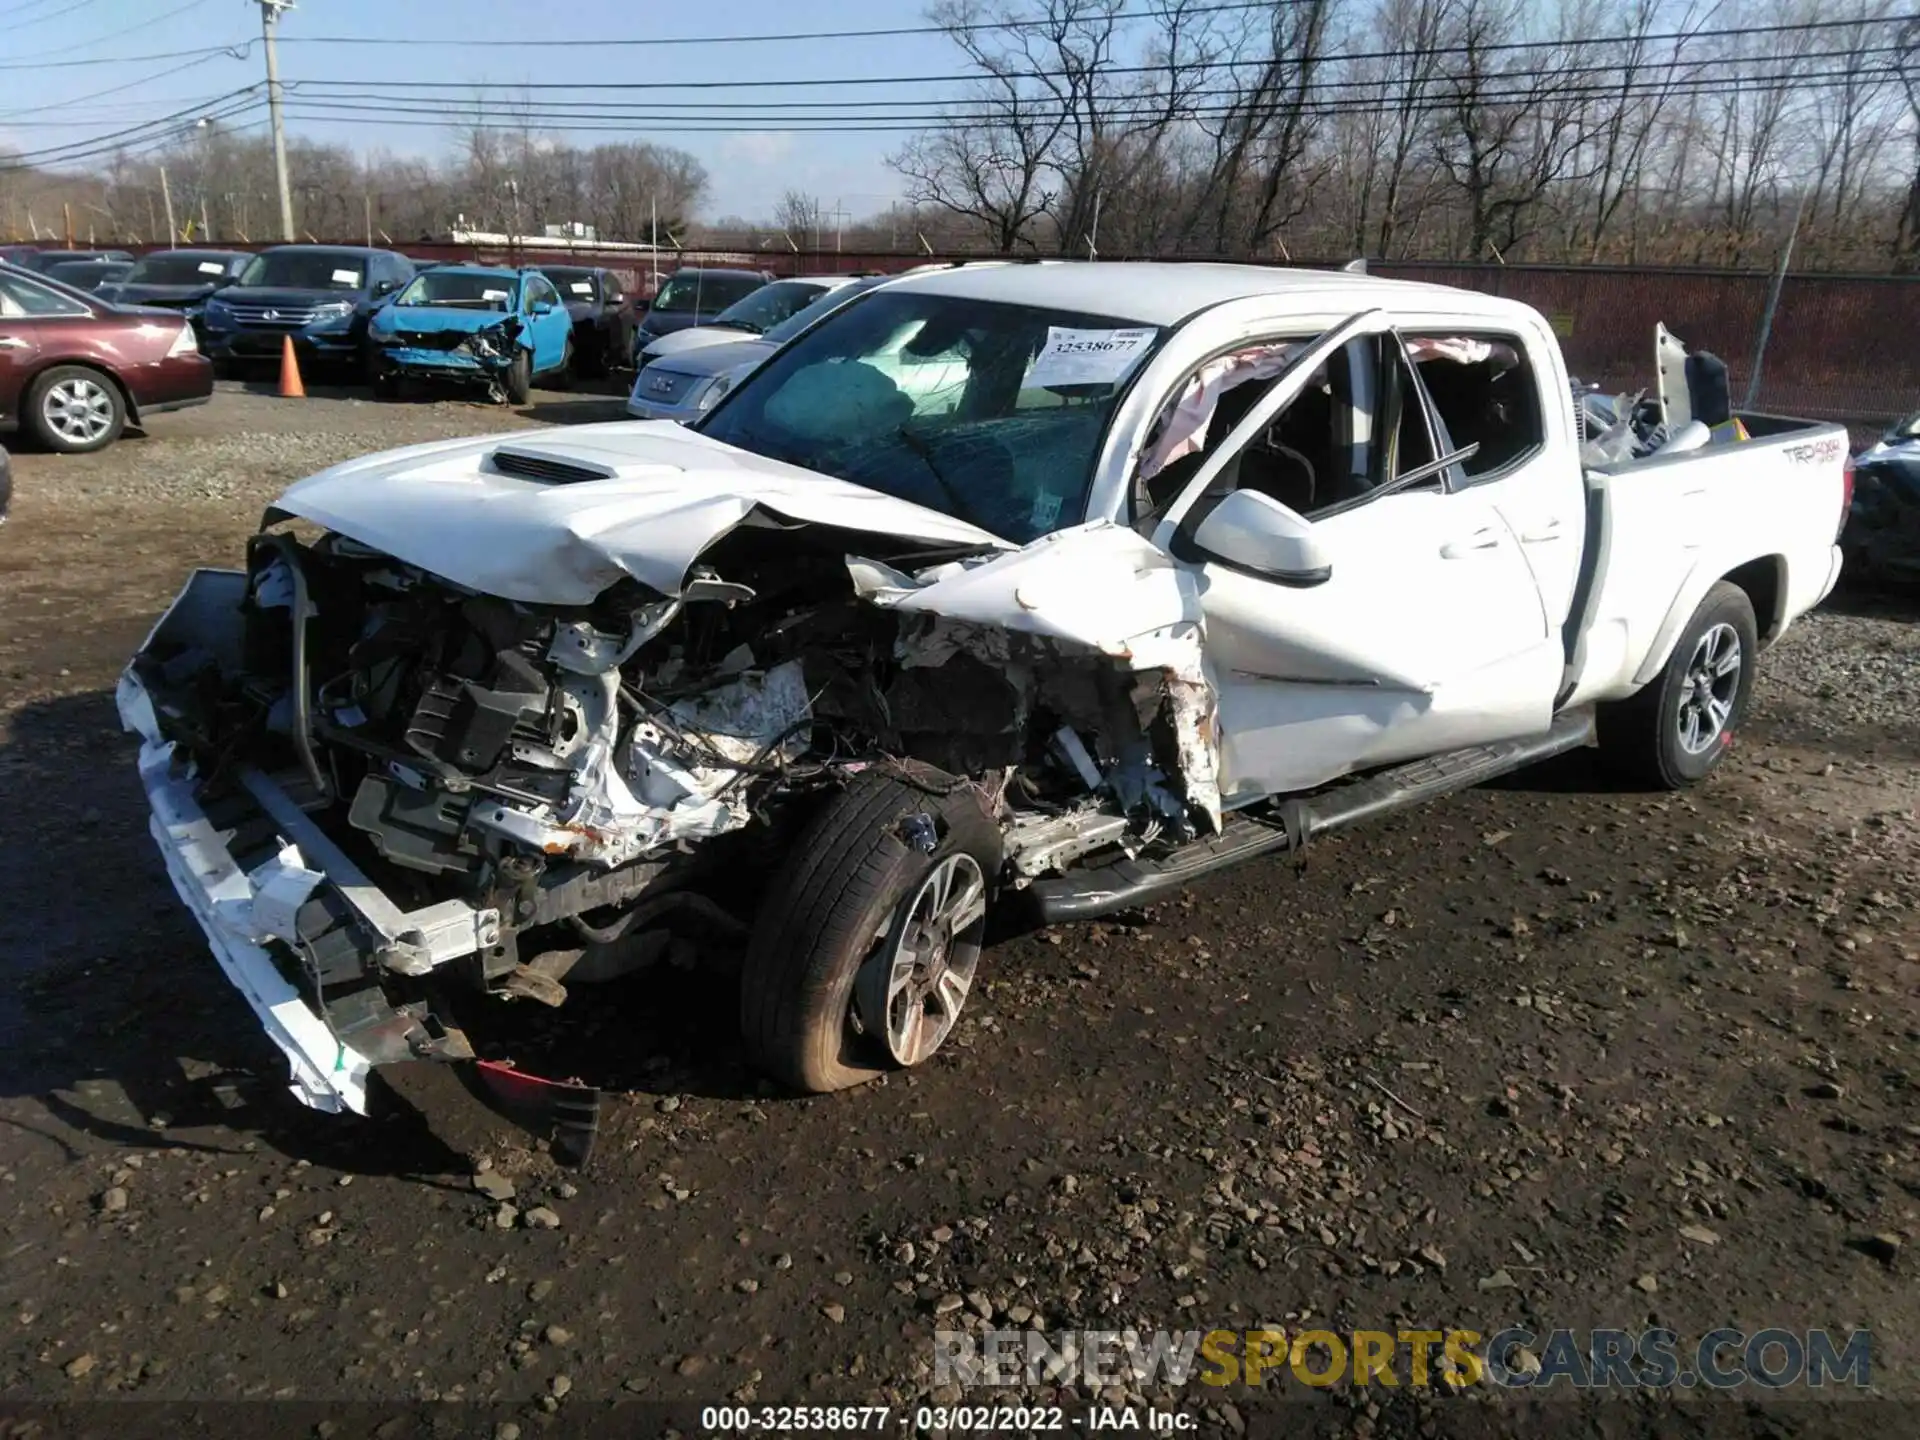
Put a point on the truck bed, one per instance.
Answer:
(1767, 509)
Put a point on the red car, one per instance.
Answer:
(75, 370)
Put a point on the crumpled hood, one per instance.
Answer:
(436, 319)
(667, 494)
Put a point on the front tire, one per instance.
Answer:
(74, 410)
(1676, 730)
(520, 378)
(867, 943)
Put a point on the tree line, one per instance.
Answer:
(1568, 131)
(220, 183)
(1586, 131)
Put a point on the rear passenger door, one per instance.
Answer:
(1487, 391)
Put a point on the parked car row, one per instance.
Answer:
(76, 369)
(378, 315)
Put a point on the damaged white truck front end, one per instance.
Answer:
(463, 749)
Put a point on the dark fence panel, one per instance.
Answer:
(1842, 346)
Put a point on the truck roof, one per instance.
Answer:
(1162, 293)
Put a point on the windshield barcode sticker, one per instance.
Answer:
(1086, 357)
(581, 287)
(212, 267)
(346, 277)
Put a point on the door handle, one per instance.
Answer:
(1480, 542)
(1541, 533)
(12, 342)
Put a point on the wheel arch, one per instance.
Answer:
(83, 362)
(1762, 580)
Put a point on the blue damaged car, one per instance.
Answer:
(497, 327)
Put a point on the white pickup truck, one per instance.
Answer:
(1054, 586)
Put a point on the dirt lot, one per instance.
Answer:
(1541, 1055)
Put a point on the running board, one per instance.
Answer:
(1084, 894)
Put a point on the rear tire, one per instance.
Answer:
(1676, 730)
(850, 939)
(520, 378)
(73, 410)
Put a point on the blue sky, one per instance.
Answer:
(42, 104)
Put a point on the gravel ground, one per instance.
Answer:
(1541, 1054)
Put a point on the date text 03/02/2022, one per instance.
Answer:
(943, 1419)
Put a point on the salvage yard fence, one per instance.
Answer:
(1841, 347)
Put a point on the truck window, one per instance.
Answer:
(1360, 421)
(1483, 392)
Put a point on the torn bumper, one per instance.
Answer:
(298, 929)
(328, 1074)
(444, 364)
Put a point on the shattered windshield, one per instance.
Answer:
(814, 309)
(990, 413)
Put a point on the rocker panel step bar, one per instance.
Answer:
(1288, 824)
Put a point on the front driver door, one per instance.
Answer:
(1424, 633)
(550, 328)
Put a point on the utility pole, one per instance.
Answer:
(270, 11)
(1773, 305)
(166, 199)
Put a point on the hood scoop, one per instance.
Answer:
(529, 464)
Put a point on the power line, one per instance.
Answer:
(101, 94)
(114, 34)
(160, 139)
(1150, 103)
(784, 38)
(1434, 103)
(102, 144)
(1421, 52)
(43, 19)
(238, 49)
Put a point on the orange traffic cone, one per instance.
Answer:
(290, 386)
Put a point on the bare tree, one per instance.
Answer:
(799, 216)
(1263, 175)
(1512, 125)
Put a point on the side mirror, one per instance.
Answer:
(543, 307)
(384, 287)
(1256, 533)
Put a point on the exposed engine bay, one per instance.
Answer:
(589, 783)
